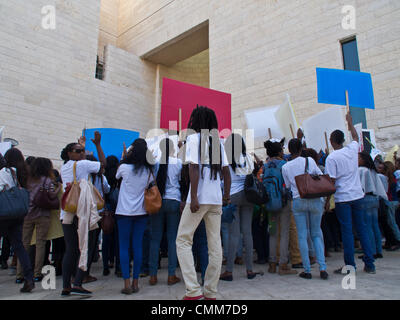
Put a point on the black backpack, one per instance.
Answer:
(254, 190)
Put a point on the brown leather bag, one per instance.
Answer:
(312, 186)
(71, 195)
(152, 196)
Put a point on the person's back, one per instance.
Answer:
(131, 194)
(342, 165)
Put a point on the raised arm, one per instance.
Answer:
(352, 130)
(100, 153)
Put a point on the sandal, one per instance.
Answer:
(126, 291)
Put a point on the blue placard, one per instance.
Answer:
(333, 83)
(111, 140)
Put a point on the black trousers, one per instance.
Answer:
(12, 229)
(71, 256)
(261, 238)
(5, 250)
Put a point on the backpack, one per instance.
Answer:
(273, 183)
(254, 190)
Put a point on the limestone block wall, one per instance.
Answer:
(48, 90)
(261, 50)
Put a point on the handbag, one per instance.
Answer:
(254, 190)
(152, 196)
(14, 202)
(98, 199)
(43, 200)
(312, 186)
(70, 198)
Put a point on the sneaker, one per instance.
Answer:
(89, 279)
(38, 279)
(324, 275)
(305, 275)
(378, 256)
(370, 270)
(200, 297)
(80, 292)
(28, 287)
(339, 271)
(126, 291)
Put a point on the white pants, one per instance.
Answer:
(187, 226)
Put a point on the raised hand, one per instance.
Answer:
(97, 138)
(82, 141)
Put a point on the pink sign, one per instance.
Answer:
(180, 95)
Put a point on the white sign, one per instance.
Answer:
(327, 121)
(278, 119)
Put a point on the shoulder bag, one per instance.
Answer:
(43, 200)
(14, 202)
(152, 196)
(312, 186)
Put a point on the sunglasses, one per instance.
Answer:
(78, 150)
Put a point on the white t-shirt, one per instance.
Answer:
(209, 190)
(131, 193)
(237, 182)
(83, 169)
(294, 168)
(342, 165)
(6, 179)
(172, 186)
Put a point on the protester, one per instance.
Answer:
(239, 167)
(15, 172)
(342, 167)
(373, 190)
(110, 245)
(135, 171)
(207, 164)
(71, 154)
(305, 209)
(168, 177)
(274, 183)
(397, 176)
(41, 177)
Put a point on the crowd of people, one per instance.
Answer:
(201, 183)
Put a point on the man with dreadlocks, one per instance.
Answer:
(207, 161)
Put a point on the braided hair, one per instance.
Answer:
(204, 121)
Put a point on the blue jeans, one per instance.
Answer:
(347, 214)
(371, 207)
(130, 232)
(309, 210)
(225, 241)
(169, 214)
(200, 247)
(390, 208)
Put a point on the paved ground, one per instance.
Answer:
(385, 284)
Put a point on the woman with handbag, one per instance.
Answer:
(305, 209)
(14, 174)
(43, 198)
(168, 177)
(136, 171)
(77, 168)
(240, 166)
(100, 182)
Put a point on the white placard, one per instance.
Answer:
(327, 121)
